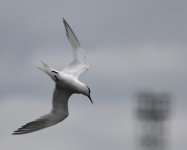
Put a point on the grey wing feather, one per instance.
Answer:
(79, 64)
(36, 125)
(71, 35)
(58, 113)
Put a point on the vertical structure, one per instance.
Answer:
(152, 112)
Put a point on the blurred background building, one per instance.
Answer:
(152, 112)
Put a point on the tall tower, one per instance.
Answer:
(152, 112)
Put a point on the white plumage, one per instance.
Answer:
(67, 83)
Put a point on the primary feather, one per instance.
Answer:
(59, 112)
(79, 63)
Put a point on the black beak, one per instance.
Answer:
(90, 99)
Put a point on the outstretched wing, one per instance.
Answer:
(79, 64)
(58, 113)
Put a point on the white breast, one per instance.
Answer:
(71, 83)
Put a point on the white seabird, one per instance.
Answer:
(67, 83)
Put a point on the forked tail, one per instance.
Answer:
(48, 70)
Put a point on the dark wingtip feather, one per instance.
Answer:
(16, 133)
(31, 127)
(71, 35)
(21, 131)
(65, 23)
(64, 20)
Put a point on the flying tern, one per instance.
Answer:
(66, 84)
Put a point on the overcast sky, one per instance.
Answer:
(132, 46)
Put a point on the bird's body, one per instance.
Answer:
(67, 83)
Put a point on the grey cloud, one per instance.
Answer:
(111, 22)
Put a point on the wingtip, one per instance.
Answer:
(16, 132)
(64, 21)
(44, 64)
(19, 133)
